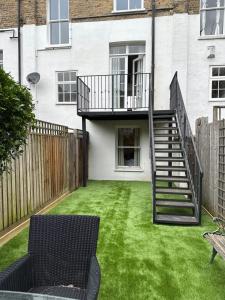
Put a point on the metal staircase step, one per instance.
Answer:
(167, 142)
(166, 135)
(164, 122)
(162, 116)
(174, 203)
(171, 168)
(169, 159)
(172, 179)
(165, 128)
(176, 219)
(173, 191)
(163, 150)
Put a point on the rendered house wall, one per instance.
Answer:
(178, 48)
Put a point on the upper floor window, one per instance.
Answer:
(217, 83)
(59, 21)
(212, 17)
(66, 86)
(1, 59)
(123, 5)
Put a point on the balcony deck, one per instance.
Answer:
(114, 96)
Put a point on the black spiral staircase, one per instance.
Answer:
(176, 170)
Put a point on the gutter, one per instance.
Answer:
(153, 53)
(10, 30)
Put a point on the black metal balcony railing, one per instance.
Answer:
(115, 92)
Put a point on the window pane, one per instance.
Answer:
(214, 93)
(121, 4)
(133, 49)
(64, 11)
(54, 11)
(210, 25)
(222, 84)
(222, 94)
(64, 32)
(60, 76)
(214, 85)
(117, 50)
(135, 4)
(211, 3)
(128, 137)
(221, 21)
(1, 54)
(66, 88)
(60, 88)
(73, 76)
(66, 76)
(129, 157)
(60, 97)
(73, 97)
(215, 71)
(67, 97)
(73, 88)
(54, 27)
(222, 72)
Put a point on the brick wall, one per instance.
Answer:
(35, 11)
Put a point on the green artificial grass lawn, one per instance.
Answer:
(139, 260)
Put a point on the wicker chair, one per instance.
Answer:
(61, 259)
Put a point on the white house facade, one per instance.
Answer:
(65, 47)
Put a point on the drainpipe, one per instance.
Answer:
(153, 53)
(19, 39)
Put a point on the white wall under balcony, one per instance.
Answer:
(102, 155)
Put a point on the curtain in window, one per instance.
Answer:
(212, 17)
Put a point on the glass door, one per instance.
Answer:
(137, 88)
(119, 81)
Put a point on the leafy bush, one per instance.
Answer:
(16, 117)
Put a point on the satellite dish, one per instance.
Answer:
(33, 77)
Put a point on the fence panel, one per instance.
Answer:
(50, 165)
(221, 185)
(207, 140)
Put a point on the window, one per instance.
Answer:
(1, 59)
(128, 147)
(66, 87)
(121, 5)
(212, 17)
(59, 21)
(217, 80)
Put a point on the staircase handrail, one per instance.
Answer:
(194, 165)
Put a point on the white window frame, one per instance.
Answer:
(65, 82)
(215, 78)
(204, 9)
(117, 147)
(58, 21)
(124, 10)
(1, 60)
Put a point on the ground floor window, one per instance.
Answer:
(128, 147)
(66, 87)
(217, 83)
(1, 59)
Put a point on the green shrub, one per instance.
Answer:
(16, 116)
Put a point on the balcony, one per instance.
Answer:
(114, 96)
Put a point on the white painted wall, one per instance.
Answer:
(102, 156)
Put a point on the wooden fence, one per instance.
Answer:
(208, 142)
(50, 166)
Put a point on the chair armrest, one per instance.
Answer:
(93, 279)
(18, 276)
